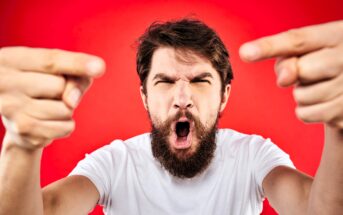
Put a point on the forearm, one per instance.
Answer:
(20, 191)
(326, 196)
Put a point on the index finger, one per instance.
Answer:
(294, 42)
(52, 61)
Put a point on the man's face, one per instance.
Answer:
(184, 100)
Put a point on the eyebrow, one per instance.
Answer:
(200, 76)
(203, 75)
(161, 76)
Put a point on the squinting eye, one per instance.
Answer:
(201, 81)
(163, 82)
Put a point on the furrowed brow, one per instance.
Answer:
(162, 76)
(203, 75)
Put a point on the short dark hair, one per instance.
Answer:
(187, 34)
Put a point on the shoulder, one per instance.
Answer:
(119, 148)
(248, 147)
(233, 140)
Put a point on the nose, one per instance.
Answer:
(183, 96)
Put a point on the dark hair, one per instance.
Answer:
(187, 34)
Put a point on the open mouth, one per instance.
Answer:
(182, 138)
(182, 129)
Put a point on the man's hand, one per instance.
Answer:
(311, 59)
(39, 89)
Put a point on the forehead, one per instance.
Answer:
(178, 62)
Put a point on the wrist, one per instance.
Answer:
(11, 144)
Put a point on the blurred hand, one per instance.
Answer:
(39, 89)
(311, 59)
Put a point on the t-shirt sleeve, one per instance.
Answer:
(267, 157)
(97, 167)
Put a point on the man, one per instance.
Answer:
(186, 165)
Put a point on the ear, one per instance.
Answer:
(225, 97)
(144, 98)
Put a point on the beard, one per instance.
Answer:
(184, 163)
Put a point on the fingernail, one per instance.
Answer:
(95, 67)
(74, 97)
(250, 51)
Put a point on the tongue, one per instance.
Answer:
(183, 132)
(183, 139)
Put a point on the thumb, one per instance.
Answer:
(286, 71)
(74, 90)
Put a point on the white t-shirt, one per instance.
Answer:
(131, 182)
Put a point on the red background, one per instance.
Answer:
(113, 109)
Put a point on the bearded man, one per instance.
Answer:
(186, 165)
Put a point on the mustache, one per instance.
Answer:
(178, 163)
(165, 127)
(180, 114)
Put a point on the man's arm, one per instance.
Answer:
(21, 192)
(71, 195)
(287, 190)
(39, 91)
(310, 59)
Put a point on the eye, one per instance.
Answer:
(201, 81)
(164, 82)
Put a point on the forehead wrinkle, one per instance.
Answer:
(188, 57)
(189, 63)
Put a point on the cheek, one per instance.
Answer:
(209, 108)
(158, 105)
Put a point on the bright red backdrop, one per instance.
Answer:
(112, 108)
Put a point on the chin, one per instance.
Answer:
(183, 145)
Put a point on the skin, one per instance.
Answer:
(32, 123)
(312, 63)
(180, 82)
(307, 59)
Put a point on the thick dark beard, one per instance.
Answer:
(179, 163)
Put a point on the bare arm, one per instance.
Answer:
(70, 196)
(310, 59)
(20, 190)
(39, 91)
(287, 190)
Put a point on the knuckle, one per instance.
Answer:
(304, 67)
(70, 128)
(307, 115)
(295, 36)
(65, 112)
(297, 95)
(301, 114)
(69, 113)
(57, 86)
(322, 115)
(268, 46)
(8, 106)
(49, 64)
(24, 126)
